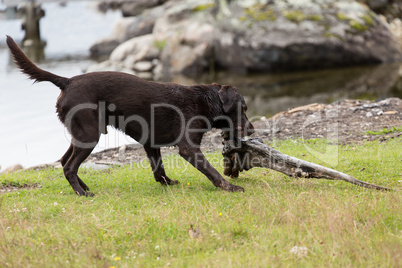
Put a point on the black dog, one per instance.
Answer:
(154, 114)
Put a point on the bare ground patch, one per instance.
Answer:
(8, 187)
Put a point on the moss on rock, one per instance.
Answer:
(296, 16)
(368, 20)
(258, 12)
(342, 16)
(203, 7)
(354, 24)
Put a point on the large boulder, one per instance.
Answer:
(303, 34)
(140, 48)
(138, 55)
(191, 36)
(125, 29)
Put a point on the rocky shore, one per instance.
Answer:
(191, 37)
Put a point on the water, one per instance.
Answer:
(31, 134)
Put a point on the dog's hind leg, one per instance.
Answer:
(155, 159)
(64, 160)
(71, 169)
(85, 136)
(66, 156)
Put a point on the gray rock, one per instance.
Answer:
(157, 72)
(143, 66)
(142, 26)
(13, 168)
(108, 66)
(134, 8)
(140, 48)
(94, 166)
(104, 47)
(178, 58)
(375, 4)
(145, 75)
(125, 29)
(122, 153)
(187, 38)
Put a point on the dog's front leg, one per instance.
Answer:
(155, 159)
(195, 157)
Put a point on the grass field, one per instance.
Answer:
(135, 222)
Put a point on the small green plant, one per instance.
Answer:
(11, 183)
(160, 44)
(385, 131)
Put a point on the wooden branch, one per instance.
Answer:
(246, 153)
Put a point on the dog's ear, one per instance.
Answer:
(228, 97)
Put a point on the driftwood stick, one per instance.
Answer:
(246, 153)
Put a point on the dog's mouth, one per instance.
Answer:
(243, 133)
(240, 130)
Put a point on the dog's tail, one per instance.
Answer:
(33, 71)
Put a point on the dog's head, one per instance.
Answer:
(234, 109)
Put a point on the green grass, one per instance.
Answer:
(135, 222)
(385, 131)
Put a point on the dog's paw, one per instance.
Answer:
(230, 187)
(172, 182)
(166, 181)
(84, 193)
(89, 194)
(235, 188)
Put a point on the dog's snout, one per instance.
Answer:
(250, 129)
(247, 130)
